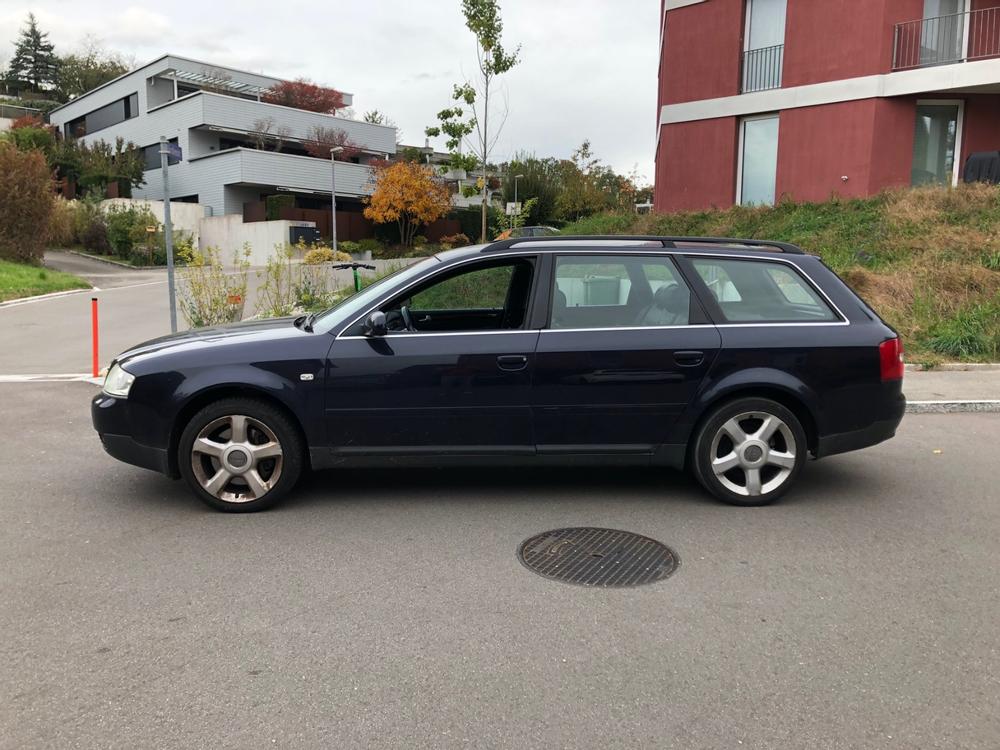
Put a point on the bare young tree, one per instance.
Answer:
(267, 135)
(483, 121)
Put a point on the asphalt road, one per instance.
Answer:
(386, 609)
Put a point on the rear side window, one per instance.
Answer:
(595, 291)
(751, 291)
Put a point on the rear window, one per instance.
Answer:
(751, 291)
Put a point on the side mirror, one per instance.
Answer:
(375, 325)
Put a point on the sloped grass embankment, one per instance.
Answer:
(23, 280)
(926, 259)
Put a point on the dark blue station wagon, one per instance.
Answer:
(734, 358)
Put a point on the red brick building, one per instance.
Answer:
(761, 99)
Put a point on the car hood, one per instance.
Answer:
(263, 329)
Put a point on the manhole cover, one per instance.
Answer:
(598, 557)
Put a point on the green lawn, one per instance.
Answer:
(21, 280)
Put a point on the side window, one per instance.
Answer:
(749, 291)
(594, 291)
(483, 297)
(485, 288)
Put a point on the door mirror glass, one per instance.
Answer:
(375, 325)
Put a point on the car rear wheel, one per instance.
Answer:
(240, 455)
(749, 451)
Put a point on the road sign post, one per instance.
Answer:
(168, 150)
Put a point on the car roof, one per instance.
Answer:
(615, 243)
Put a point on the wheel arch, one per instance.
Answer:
(789, 392)
(208, 395)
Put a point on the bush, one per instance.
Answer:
(274, 203)
(128, 233)
(61, 223)
(208, 295)
(31, 138)
(318, 255)
(454, 240)
(369, 244)
(95, 236)
(349, 247)
(26, 204)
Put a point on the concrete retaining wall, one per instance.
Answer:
(185, 217)
(229, 234)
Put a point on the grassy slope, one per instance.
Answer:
(21, 280)
(927, 259)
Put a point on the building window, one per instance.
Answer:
(943, 31)
(151, 156)
(758, 160)
(936, 142)
(763, 45)
(104, 117)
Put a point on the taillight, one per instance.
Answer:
(890, 355)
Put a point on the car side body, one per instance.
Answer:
(535, 379)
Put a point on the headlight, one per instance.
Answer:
(118, 382)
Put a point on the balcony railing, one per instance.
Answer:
(762, 68)
(958, 37)
(13, 111)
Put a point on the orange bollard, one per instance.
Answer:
(93, 328)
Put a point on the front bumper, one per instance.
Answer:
(111, 420)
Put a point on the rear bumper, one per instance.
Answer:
(876, 432)
(111, 420)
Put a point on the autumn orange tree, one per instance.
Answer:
(408, 193)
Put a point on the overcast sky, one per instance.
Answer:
(588, 67)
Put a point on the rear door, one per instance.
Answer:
(625, 349)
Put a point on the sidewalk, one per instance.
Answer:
(947, 391)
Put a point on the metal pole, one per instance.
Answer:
(333, 199)
(515, 204)
(168, 233)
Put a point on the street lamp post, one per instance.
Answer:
(516, 178)
(333, 195)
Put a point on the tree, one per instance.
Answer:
(34, 63)
(321, 140)
(482, 18)
(267, 135)
(304, 94)
(87, 69)
(100, 165)
(408, 194)
(540, 180)
(376, 117)
(26, 203)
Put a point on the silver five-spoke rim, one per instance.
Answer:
(753, 453)
(236, 458)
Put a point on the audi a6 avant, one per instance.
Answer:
(735, 358)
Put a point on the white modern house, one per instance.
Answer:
(228, 138)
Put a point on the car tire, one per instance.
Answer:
(240, 455)
(749, 451)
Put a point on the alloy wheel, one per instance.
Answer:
(753, 453)
(236, 458)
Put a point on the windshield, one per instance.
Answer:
(356, 303)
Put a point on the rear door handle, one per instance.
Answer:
(689, 358)
(512, 362)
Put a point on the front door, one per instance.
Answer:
(624, 352)
(452, 376)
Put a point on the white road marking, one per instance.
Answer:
(52, 378)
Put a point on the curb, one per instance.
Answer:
(50, 295)
(111, 262)
(952, 407)
(955, 367)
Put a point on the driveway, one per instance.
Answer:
(386, 609)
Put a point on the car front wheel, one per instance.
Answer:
(240, 455)
(749, 451)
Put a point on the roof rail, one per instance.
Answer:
(665, 241)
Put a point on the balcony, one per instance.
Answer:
(942, 40)
(761, 69)
(242, 166)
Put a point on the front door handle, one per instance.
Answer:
(689, 358)
(512, 362)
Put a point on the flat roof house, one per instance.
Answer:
(761, 99)
(216, 115)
